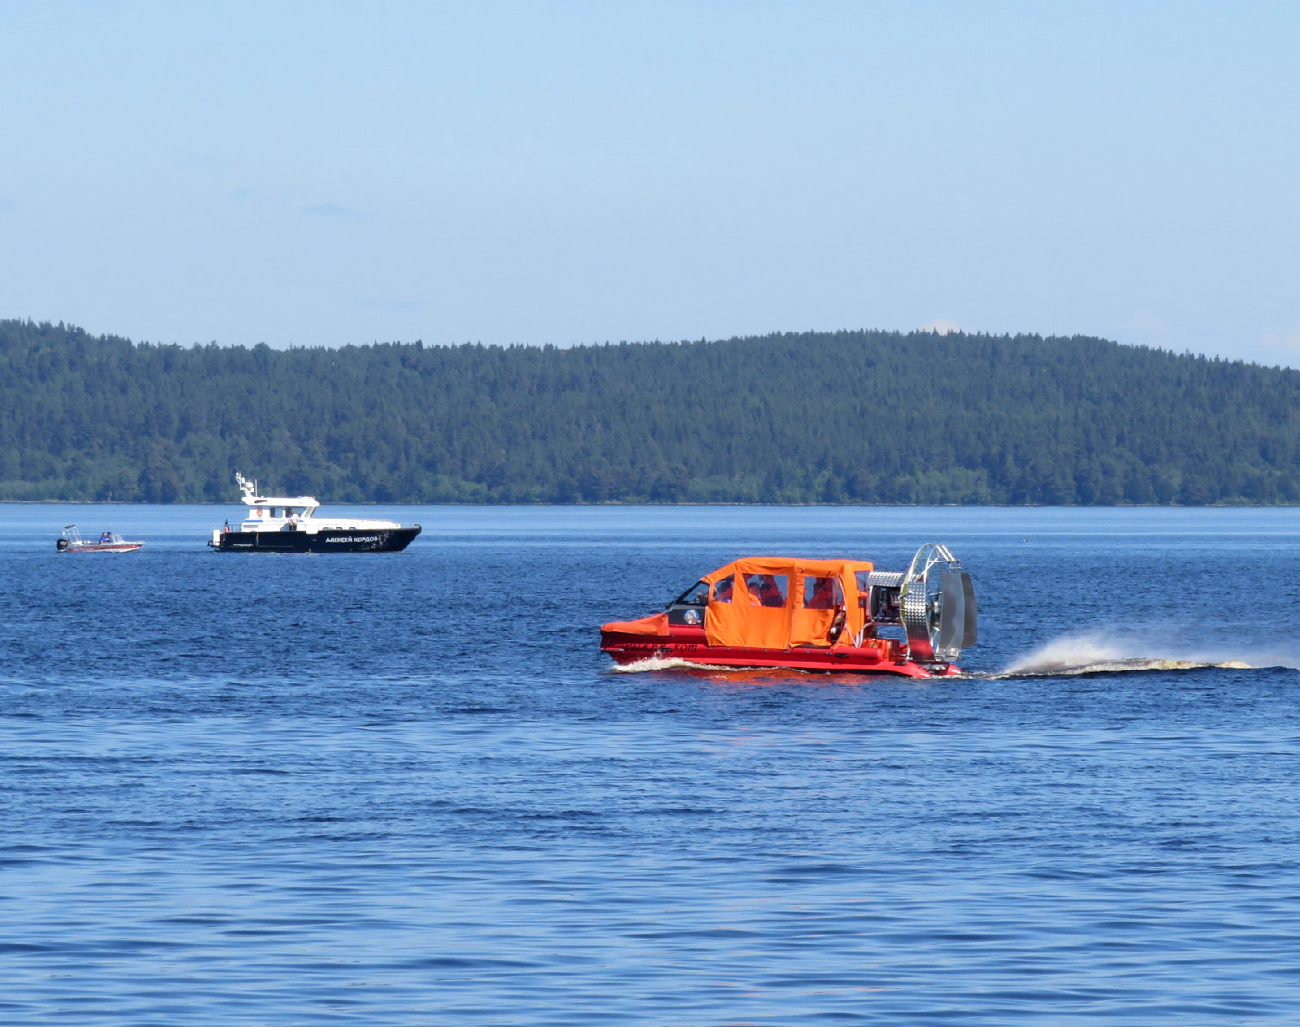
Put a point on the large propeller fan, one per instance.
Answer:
(938, 606)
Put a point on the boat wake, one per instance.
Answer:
(663, 663)
(1089, 654)
(1073, 656)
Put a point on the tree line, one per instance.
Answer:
(842, 417)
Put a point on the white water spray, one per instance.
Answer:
(1096, 654)
(1071, 656)
(663, 663)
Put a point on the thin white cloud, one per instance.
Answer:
(1286, 341)
(334, 210)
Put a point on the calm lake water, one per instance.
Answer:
(408, 788)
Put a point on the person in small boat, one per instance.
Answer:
(105, 538)
(722, 590)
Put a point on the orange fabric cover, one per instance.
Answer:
(744, 623)
(655, 624)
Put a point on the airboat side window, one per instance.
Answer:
(863, 579)
(722, 589)
(822, 593)
(696, 595)
(767, 589)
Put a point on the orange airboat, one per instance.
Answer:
(827, 615)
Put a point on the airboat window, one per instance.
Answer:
(767, 589)
(864, 588)
(722, 589)
(822, 593)
(696, 595)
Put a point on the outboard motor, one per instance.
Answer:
(61, 545)
(938, 606)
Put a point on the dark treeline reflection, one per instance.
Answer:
(848, 417)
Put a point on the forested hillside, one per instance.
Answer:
(858, 417)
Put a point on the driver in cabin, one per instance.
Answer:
(722, 590)
(293, 520)
(823, 594)
(763, 591)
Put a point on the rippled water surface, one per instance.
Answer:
(408, 789)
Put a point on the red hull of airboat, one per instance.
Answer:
(881, 658)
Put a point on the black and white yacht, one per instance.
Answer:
(283, 524)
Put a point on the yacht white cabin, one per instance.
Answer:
(281, 513)
(290, 523)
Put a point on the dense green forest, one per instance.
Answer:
(848, 417)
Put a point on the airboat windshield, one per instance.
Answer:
(696, 595)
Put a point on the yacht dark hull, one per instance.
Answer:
(329, 540)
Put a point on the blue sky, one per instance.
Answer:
(576, 172)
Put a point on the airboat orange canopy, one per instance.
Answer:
(774, 602)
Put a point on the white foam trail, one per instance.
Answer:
(664, 663)
(1093, 654)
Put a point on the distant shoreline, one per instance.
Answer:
(847, 418)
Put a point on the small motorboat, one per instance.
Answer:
(288, 524)
(108, 542)
(827, 615)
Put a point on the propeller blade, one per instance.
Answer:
(952, 614)
(970, 630)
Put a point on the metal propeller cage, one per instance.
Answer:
(939, 611)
